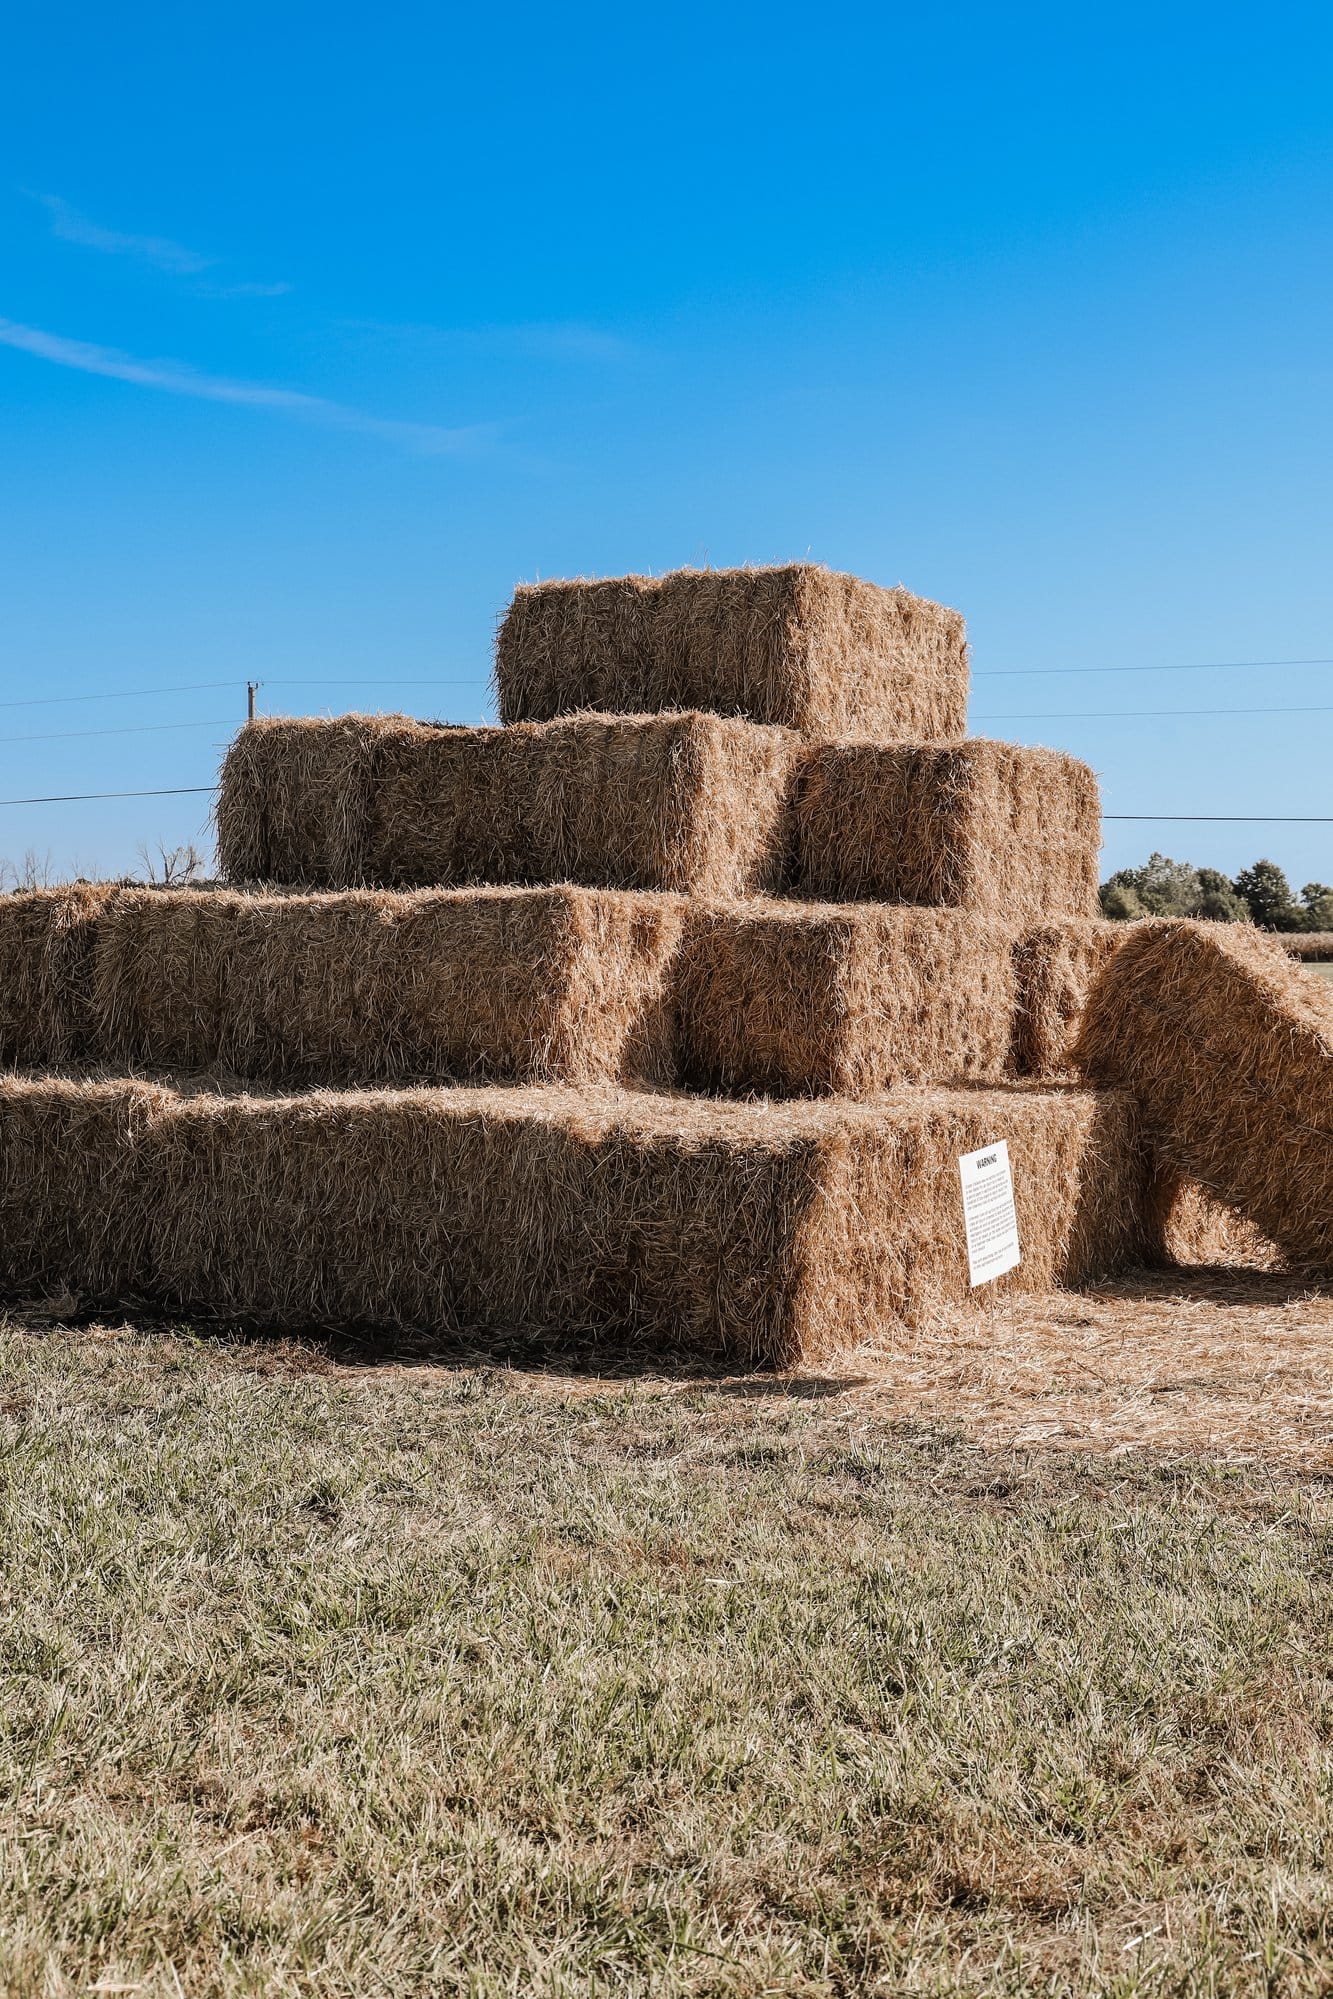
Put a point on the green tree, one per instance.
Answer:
(1218, 901)
(1267, 893)
(1161, 887)
(1317, 901)
(1119, 901)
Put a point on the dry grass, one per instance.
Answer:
(682, 802)
(561, 984)
(1225, 1362)
(846, 999)
(1313, 948)
(776, 1232)
(1228, 1047)
(948, 1674)
(796, 645)
(982, 825)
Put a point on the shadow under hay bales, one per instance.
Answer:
(1209, 1283)
(260, 1346)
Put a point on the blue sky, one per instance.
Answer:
(321, 327)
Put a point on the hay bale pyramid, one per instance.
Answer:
(660, 1013)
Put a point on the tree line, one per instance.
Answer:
(1260, 894)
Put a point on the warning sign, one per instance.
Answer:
(988, 1211)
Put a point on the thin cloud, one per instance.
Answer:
(176, 379)
(245, 290)
(555, 340)
(160, 251)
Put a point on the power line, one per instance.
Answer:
(1138, 714)
(201, 686)
(372, 680)
(1224, 818)
(1027, 715)
(369, 680)
(79, 797)
(134, 729)
(118, 694)
(1185, 666)
(1194, 818)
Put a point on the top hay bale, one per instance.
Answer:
(800, 646)
(1229, 1048)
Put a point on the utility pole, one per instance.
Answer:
(251, 689)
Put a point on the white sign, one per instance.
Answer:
(988, 1211)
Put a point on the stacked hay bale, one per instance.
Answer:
(663, 1010)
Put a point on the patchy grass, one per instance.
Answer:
(323, 1679)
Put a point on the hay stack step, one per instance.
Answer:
(1056, 964)
(679, 802)
(758, 1233)
(979, 825)
(796, 645)
(845, 999)
(48, 939)
(366, 986)
(1228, 1047)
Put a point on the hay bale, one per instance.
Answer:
(47, 937)
(677, 802)
(981, 825)
(73, 1219)
(293, 799)
(1228, 1047)
(1056, 964)
(842, 998)
(369, 986)
(760, 1233)
(797, 645)
(777, 1233)
(1311, 947)
(1191, 1227)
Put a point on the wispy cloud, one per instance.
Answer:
(160, 251)
(177, 379)
(542, 340)
(564, 341)
(177, 259)
(210, 290)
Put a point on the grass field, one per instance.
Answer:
(335, 1678)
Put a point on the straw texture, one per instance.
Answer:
(797, 645)
(1056, 964)
(776, 1233)
(982, 825)
(370, 986)
(1228, 1047)
(1192, 1227)
(846, 999)
(294, 796)
(680, 802)
(72, 1217)
(46, 972)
